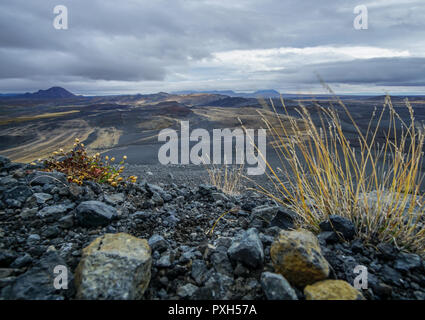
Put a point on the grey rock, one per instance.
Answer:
(6, 181)
(266, 213)
(266, 239)
(382, 290)
(33, 238)
(43, 178)
(19, 192)
(224, 242)
(37, 283)
(171, 218)
(328, 237)
(221, 263)
(114, 267)
(407, 262)
(6, 258)
(206, 190)
(12, 166)
(219, 196)
(152, 188)
(66, 222)
(158, 243)
(13, 203)
(241, 270)
(187, 290)
(22, 261)
(164, 281)
(95, 213)
(357, 246)
(141, 215)
(164, 261)
(247, 248)
(114, 199)
(216, 288)
(339, 224)
(41, 198)
(166, 197)
(52, 210)
(162, 294)
(420, 295)
(386, 251)
(49, 188)
(284, 219)
(51, 232)
(189, 255)
(28, 212)
(157, 199)
(391, 276)
(4, 161)
(199, 271)
(94, 186)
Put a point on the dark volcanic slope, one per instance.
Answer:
(33, 125)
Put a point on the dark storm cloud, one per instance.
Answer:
(382, 72)
(159, 44)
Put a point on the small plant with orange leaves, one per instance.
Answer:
(79, 166)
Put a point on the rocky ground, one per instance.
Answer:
(154, 240)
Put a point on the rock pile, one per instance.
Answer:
(147, 241)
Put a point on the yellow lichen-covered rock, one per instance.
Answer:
(114, 267)
(332, 290)
(297, 256)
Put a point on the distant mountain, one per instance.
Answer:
(230, 93)
(266, 93)
(8, 95)
(233, 102)
(51, 93)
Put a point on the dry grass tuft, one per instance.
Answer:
(376, 186)
(226, 178)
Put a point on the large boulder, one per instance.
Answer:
(332, 290)
(247, 248)
(297, 256)
(95, 213)
(114, 267)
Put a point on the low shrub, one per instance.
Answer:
(79, 166)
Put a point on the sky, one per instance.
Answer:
(138, 46)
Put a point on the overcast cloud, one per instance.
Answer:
(132, 46)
